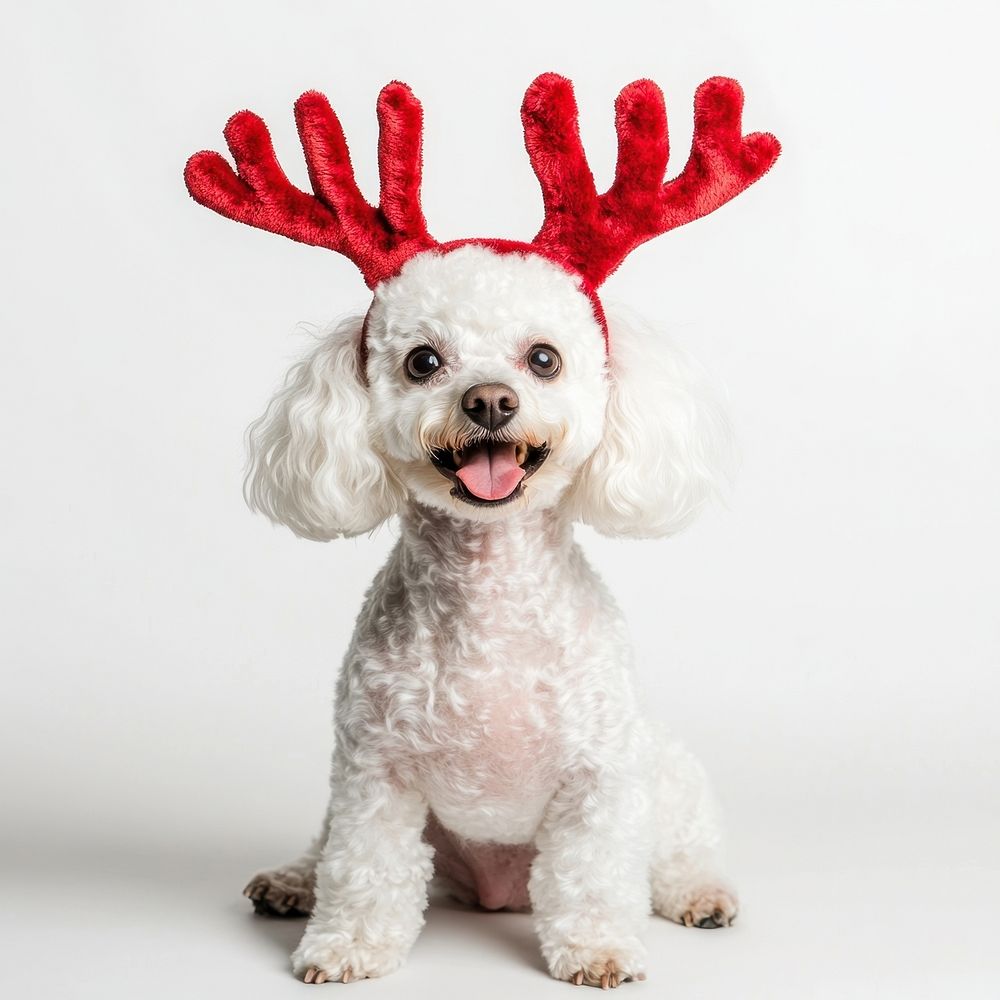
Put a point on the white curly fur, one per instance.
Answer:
(488, 685)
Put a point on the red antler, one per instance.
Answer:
(594, 233)
(337, 216)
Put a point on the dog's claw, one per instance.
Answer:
(346, 977)
(280, 893)
(706, 906)
(610, 979)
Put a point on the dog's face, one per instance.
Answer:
(488, 380)
(487, 391)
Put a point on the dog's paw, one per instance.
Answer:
(704, 904)
(284, 892)
(332, 956)
(605, 967)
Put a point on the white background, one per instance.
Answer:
(829, 645)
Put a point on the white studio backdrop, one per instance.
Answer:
(828, 644)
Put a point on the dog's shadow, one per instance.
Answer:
(477, 929)
(281, 932)
(461, 926)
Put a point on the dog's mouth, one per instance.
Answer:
(489, 473)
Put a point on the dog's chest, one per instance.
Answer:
(473, 658)
(493, 748)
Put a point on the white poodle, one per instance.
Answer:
(488, 730)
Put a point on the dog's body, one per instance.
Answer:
(488, 728)
(507, 723)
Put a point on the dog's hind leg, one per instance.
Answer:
(685, 879)
(288, 891)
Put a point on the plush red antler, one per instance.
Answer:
(337, 216)
(587, 233)
(594, 233)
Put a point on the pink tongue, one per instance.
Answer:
(490, 471)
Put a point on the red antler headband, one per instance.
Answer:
(586, 233)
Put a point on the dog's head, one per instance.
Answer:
(479, 381)
(480, 384)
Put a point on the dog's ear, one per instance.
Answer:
(667, 445)
(311, 464)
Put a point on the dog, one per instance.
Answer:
(488, 732)
(488, 727)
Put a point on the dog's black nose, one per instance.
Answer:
(490, 404)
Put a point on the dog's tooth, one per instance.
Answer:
(456, 456)
(521, 453)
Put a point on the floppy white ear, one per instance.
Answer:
(311, 465)
(667, 444)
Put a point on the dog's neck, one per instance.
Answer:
(493, 550)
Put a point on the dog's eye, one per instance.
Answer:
(544, 361)
(422, 363)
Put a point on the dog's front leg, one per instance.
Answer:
(371, 880)
(589, 883)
